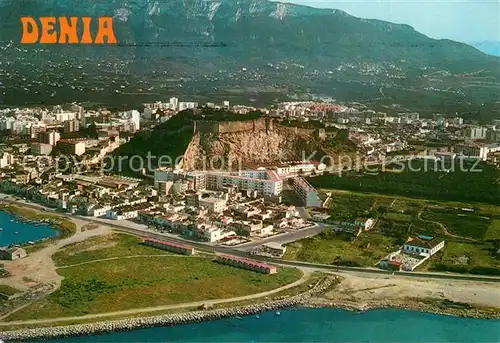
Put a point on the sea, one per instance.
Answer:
(16, 231)
(317, 325)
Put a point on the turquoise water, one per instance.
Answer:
(318, 325)
(25, 231)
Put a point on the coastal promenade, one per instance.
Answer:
(141, 230)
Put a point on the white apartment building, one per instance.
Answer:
(475, 150)
(117, 214)
(423, 247)
(265, 182)
(295, 168)
(174, 103)
(187, 105)
(306, 192)
(476, 132)
(135, 117)
(6, 159)
(214, 205)
(65, 116)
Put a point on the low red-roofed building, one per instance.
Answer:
(173, 247)
(246, 263)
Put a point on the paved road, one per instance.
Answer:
(303, 279)
(285, 238)
(243, 253)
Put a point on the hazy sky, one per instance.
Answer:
(460, 20)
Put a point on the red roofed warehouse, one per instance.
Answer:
(164, 245)
(245, 263)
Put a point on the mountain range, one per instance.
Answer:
(243, 50)
(488, 47)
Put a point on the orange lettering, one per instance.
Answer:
(68, 32)
(86, 37)
(49, 35)
(29, 36)
(105, 28)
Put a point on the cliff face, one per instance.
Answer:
(235, 149)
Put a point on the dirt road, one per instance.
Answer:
(38, 267)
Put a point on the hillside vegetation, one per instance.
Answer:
(467, 185)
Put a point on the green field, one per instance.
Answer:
(398, 217)
(344, 206)
(365, 250)
(466, 258)
(124, 284)
(141, 276)
(493, 230)
(458, 222)
(96, 248)
(7, 290)
(422, 180)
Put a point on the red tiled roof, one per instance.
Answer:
(179, 246)
(395, 263)
(247, 261)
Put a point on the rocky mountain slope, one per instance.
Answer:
(182, 140)
(246, 148)
(218, 49)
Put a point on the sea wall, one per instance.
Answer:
(164, 320)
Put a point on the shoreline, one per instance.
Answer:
(308, 299)
(164, 320)
(31, 216)
(417, 305)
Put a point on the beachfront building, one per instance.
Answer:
(423, 247)
(246, 263)
(12, 253)
(412, 254)
(164, 245)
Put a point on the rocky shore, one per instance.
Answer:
(165, 320)
(435, 306)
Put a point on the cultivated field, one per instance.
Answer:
(471, 232)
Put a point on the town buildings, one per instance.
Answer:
(476, 150)
(263, 182)
(306, 192)
(71, 147)
(49, 137)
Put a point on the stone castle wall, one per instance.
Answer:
(259, 124)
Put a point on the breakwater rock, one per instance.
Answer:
(164, 320)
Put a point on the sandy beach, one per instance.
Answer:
(365, 291)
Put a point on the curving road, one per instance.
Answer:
(243, 251)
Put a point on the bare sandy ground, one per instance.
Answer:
(370, 290)
(38, 268)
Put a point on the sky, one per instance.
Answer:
(460, 20)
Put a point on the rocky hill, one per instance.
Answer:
(200, 140)
(247, 148)
(241, 50)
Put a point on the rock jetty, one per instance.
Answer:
(164, 320)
